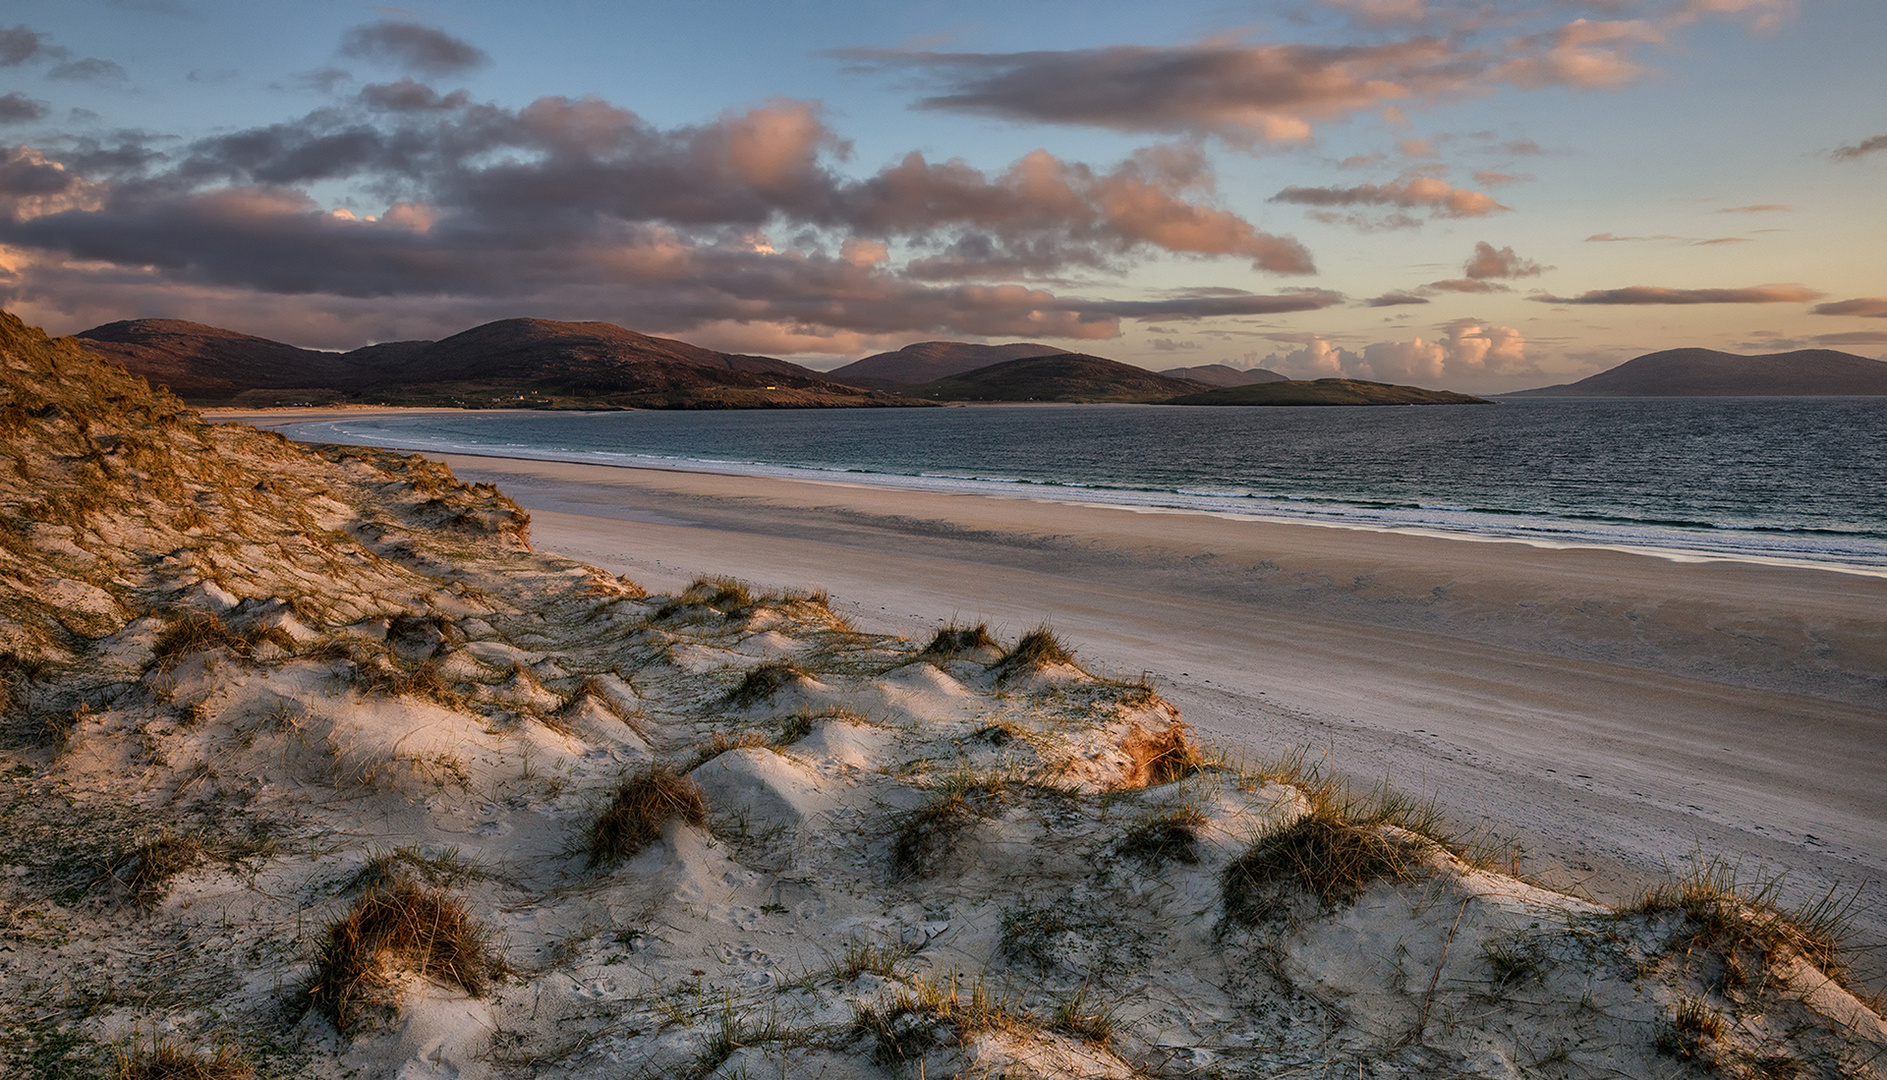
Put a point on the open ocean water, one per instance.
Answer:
(1795, 480)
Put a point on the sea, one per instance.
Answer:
(1800, 481)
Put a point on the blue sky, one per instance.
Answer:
(1473, 194)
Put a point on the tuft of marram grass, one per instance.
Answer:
(394, 929)
(1039, 648)
(1334, 852)
(952, 640)
(147, 869)
(188, 632)
(1727, 916)
(761, 683)
(170, 1060)
(925, 836)
(643, 804)
(720, 743)
(1164, 838)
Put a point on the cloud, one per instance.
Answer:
(1756, 208)
(1394, 299)
(1465, 285)
(1867, 307)
(1492, 178)
(1653, 294)
(1853, 337)
(89, 69)
(1438, 197)
(578, 208)
(412, 46)
(17, 108)
(1489, 263)
(20, 44)
(1861, 149)
(1463, 348)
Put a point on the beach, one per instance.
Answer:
(1619, 715)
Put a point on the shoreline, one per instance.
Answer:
(1065, 495)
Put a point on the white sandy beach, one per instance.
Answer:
(1615, 712)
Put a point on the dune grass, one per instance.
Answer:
(1038, 649)
(763, 682)
(642, 805)
(394, 929)
(1725, 916)
(951, 640)
(1340, 847)
(923, 837)
(167, 1059)
(147, 869)
(1169, 837)
(1163, 756)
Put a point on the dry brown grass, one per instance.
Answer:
(1164, 838)
(1039, 648)
(643, 804)
(1161, 757)
(952, 640)
(146, 870)
(761, 683)
(724, 594)
(925, 836)
(189, 632)
(393, 930)
(1334, 852)
(168, 1060)
(424, 681)
(1728, 918)
(720, 743)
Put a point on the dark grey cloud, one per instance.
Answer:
(410, 96)
(20, 44)
(1394, 299)
(1861, 149)
(89, 69)
(17, 108)
(1655, 294)
(424, 49)
(1410, 193)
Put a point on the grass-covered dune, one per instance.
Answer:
(311, 767)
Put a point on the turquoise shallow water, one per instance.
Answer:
(1797, 480)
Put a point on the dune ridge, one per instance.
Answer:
(312, 765)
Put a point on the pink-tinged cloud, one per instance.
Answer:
(1250, 94)
(1464, 348)
(1394, 299)
(1756, 208)
(1861, 149)
(1494, 178)
(1414, 193)
(1867, 307)
(1653, 294)
(1582, 54)
(1487, 262)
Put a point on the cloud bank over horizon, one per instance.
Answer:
(1313, 180)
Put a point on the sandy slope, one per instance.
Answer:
(1616, 712)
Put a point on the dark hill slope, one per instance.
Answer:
(1708, 373)
(1327, 392)
(927, 361)
(1224, 375)
(1062, 377)
(511, 362)
(201, 362)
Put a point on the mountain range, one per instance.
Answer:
(1708, 373)
(509, 363)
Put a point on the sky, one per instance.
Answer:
(1480, 195)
